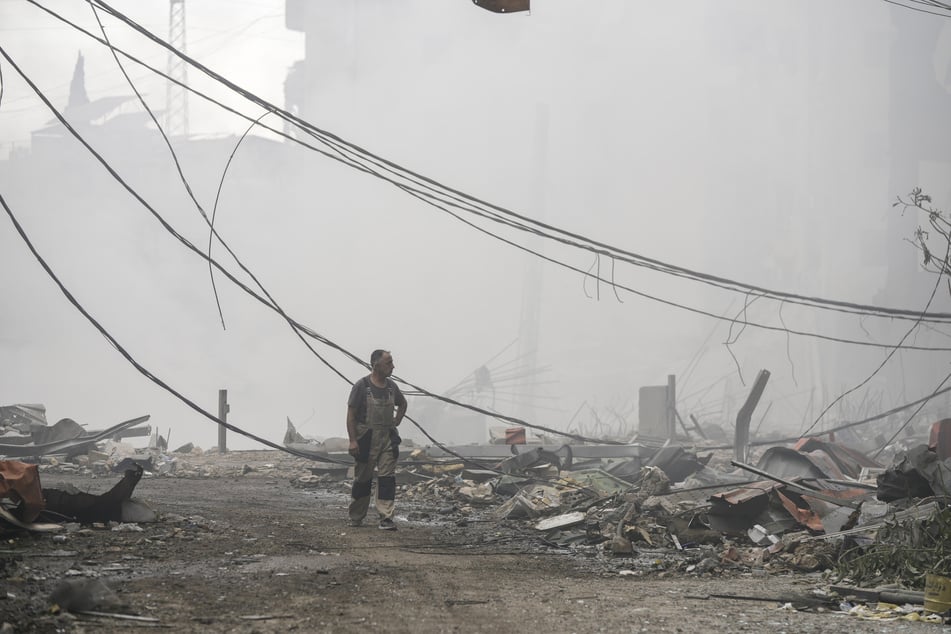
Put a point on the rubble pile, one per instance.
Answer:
(816, 506)
(813, 505)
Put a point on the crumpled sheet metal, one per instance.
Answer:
(940, 438)
(849, 461)
(806, 517)
(677, 462)
(789, 463)
(59, 446)
(734, 512)
(20, 482)
(63, 429)
(918, 473)
(24, 417)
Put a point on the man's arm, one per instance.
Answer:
(400, 406)
(352, 430)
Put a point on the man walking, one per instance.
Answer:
(374, 410)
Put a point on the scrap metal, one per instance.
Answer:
(745, 415)
(60, 446)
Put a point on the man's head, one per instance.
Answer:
(381, 362)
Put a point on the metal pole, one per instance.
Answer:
(672, 406)
(223, 417)
(741, 437)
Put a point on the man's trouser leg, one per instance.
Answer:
(360, 490)
(386, 477)
(362, 479)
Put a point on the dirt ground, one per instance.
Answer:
(241, 549)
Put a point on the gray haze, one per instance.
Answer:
(755, 140)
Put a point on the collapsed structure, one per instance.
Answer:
(814, 504)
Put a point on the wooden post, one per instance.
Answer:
(223, 416)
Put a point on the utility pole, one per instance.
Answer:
(176, 97)
(223, 409)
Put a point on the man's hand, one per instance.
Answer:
(354, 448)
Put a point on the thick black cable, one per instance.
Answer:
(122, 350)
(493, 414)
(267, 302)
(297, 327)
(699, 311)
(214, 209)
(338, 157)
(938, 390)
(178, 166)
(158, 381)
(125, 353)
(938, 5)
(594, 245)
(892, 352)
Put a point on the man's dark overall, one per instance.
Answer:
(375, 439)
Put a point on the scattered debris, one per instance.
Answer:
(812, 504)
(66, 436)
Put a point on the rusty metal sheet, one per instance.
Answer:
(734, 512)
(21, 482)
(788, 463)
(805, 517)
(849, 461)
(940, 438)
